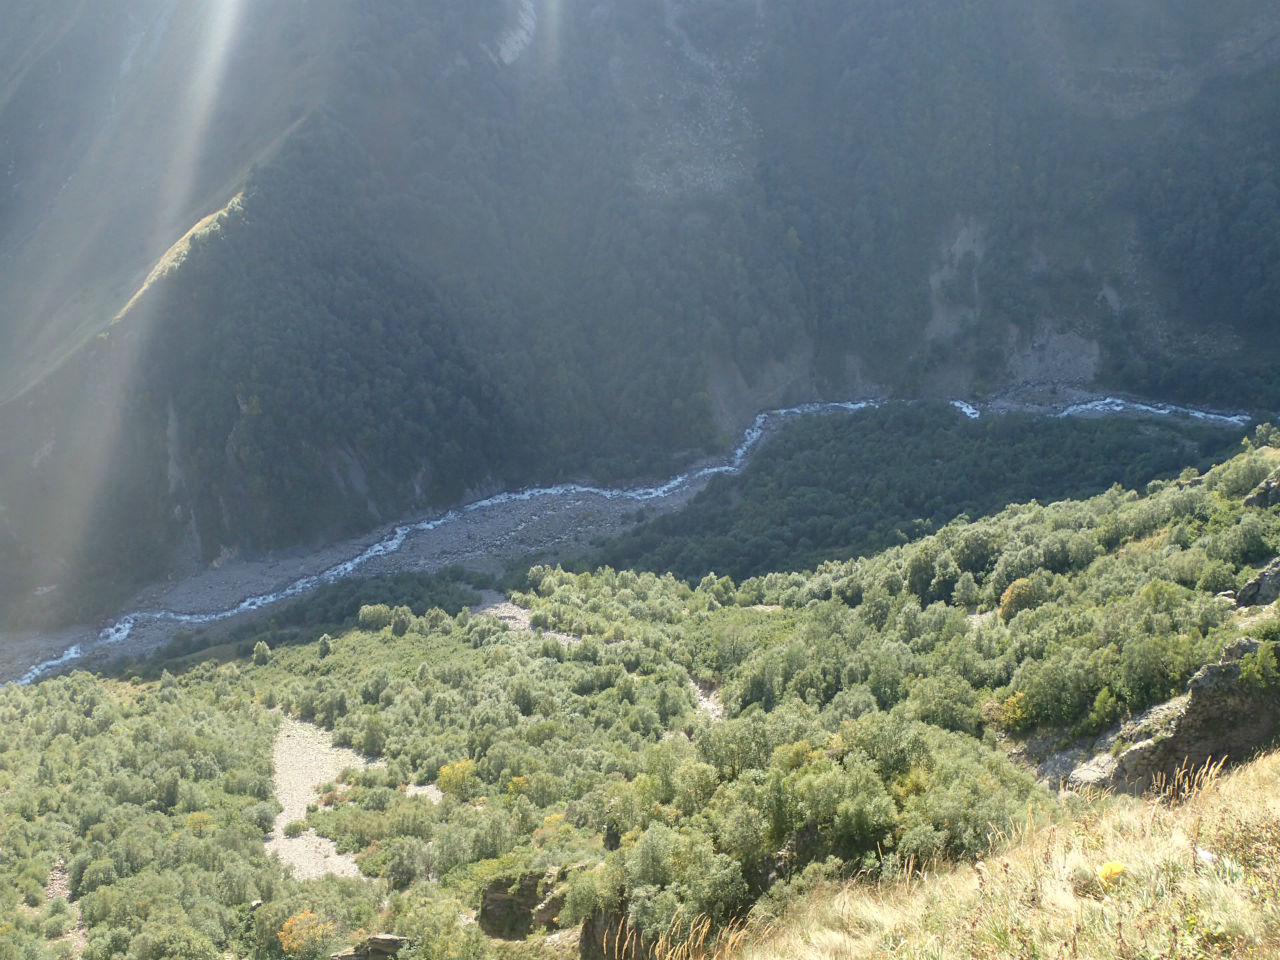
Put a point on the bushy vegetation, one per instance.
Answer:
(340, 602)
(650, 753)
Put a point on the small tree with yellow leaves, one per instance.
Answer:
(305, 935)
(458, 779)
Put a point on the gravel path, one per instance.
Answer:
(709, 702)
(304, 758)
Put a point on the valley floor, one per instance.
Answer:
(554, 526)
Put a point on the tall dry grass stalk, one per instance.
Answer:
(700, 941)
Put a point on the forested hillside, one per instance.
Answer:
(276, 273)
(631, 759)
(830, 487)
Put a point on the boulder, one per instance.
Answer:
(1220, 717)
(547, 913)
(1262, 589)
(374, 948)
(1265, 494)
(511, 907)
(506, 906)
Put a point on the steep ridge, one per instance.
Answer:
(502, 246)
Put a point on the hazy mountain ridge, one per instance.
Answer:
(521, 240)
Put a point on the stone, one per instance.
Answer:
(1265, 494)
(1262, 589)
(547, 913)
(385, 945)
(1096, 773)
(506, 906)
(374, 948)
(1220, 717)
(511, 907)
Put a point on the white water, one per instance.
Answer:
(123, 627)
(1116, 405)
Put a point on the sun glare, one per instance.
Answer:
(178, 158)
(220, 29)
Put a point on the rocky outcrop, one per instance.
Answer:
(1221, 716)
(1265, 494)
(374, 948)
(1262, 589)
(511, 907)
(607, 936)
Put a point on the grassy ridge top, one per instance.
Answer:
(1131, 878)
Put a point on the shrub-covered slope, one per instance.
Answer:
(850, 485)
(644, 755)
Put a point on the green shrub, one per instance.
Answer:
(374, 616)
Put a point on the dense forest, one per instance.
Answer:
(844, 485)
(645, 752)
(459, 251)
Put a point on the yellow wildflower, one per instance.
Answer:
(1110, 872)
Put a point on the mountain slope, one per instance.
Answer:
(622, 758)
(477, 246)
(1197, 877)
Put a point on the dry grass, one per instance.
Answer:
(1200, 878)
(697, 942)
(174, 256)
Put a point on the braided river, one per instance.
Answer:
(516, 510)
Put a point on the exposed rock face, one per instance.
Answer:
(1262, 589)
(600, 935)
(512, 906)
(1265, 494)
(1220, 716)
(375, 947)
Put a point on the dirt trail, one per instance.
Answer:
(59, 886)
(305, 757)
